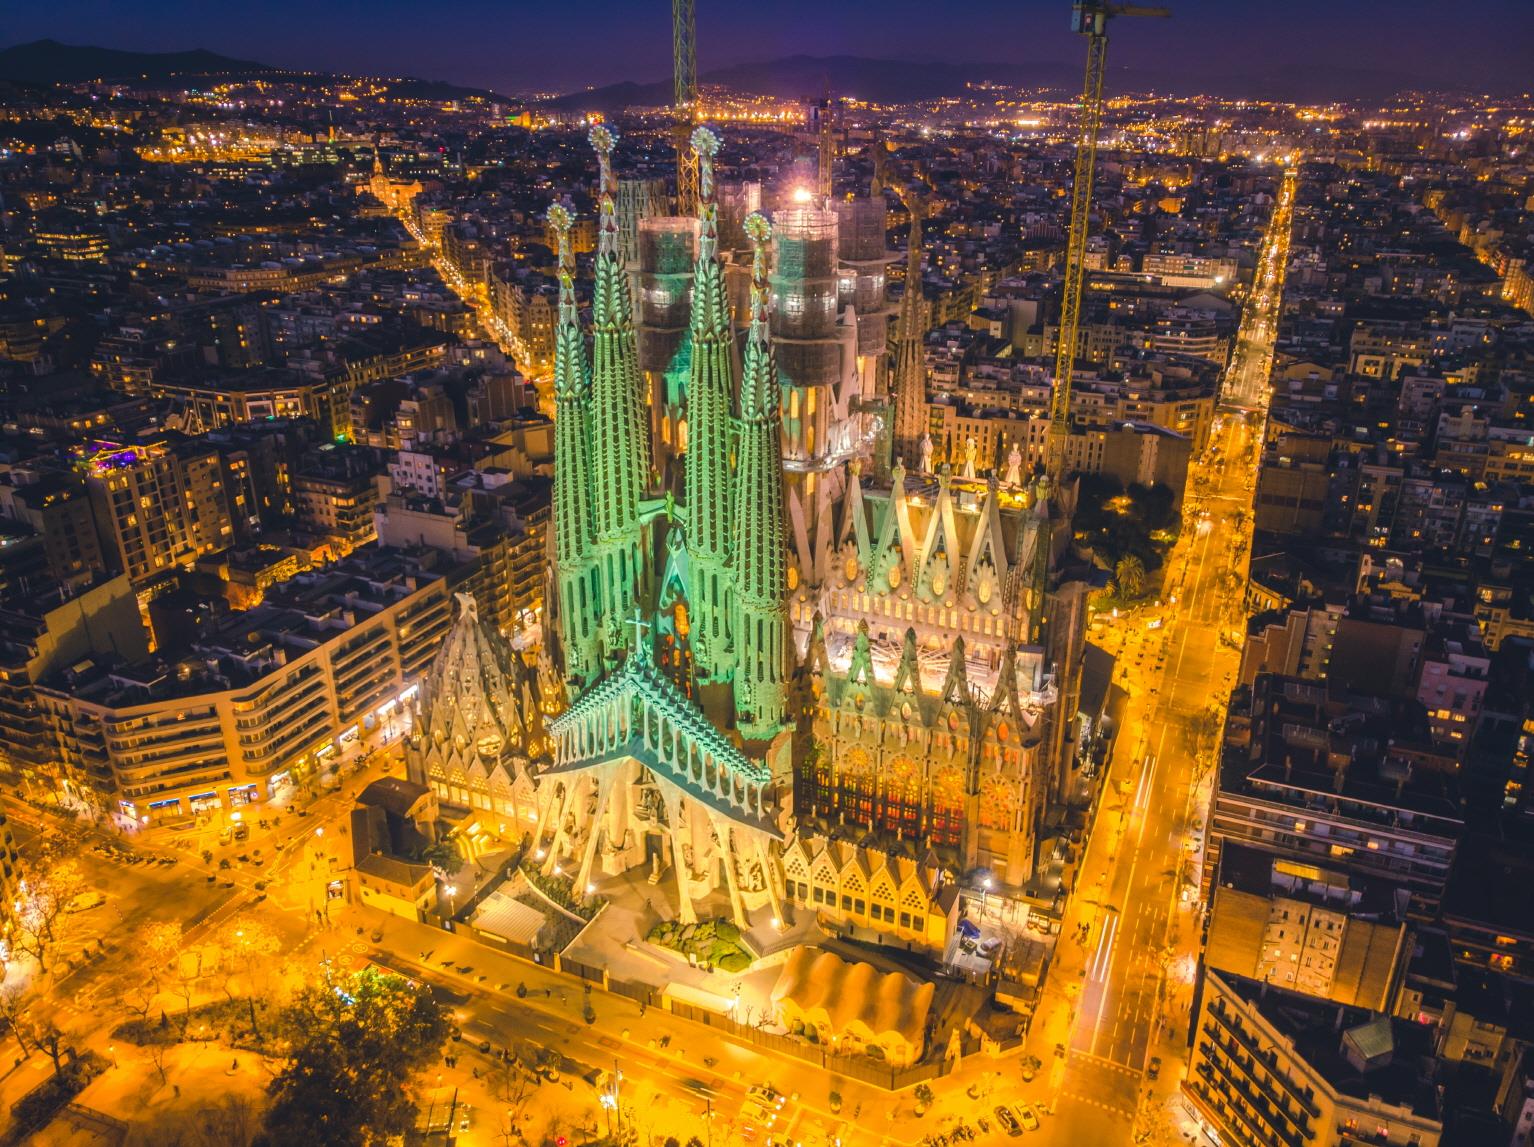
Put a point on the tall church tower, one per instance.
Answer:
(910, 382)
(580, 601)
(620, 439)
(709, 407)
(761, 546)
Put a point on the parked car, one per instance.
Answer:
(1153, 1069)
(1008, 1121)
(1029, 1117)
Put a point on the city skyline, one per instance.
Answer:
(722, 615)
(1305, 50)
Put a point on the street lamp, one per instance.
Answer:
(985, 891)
(452, 894)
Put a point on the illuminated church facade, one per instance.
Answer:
(738, 725)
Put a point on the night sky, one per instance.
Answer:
(516, 46)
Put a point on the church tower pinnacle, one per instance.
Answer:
(620, 442)
(761, 542)
(910, 366)
(580, 605)
(709, 402)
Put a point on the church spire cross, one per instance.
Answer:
(641, 627)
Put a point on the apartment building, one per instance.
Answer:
(262, 393)
(58, 509)
(39, 637)
(1183, 269)
(266, 697)
(334, 493)
(1307, 928)
(160, 504)
(1280, 1068)
(1316, 773)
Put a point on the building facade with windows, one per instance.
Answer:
(262, 702)
(1280, 1068)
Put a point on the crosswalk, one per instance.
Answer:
(1093, 1101)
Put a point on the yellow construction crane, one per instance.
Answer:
(684, 103)
(1090, 19)
(825, 123)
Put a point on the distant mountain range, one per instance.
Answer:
(792, 77)
(795, 77)
(50, 62)
(901, 81)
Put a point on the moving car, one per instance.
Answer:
(86, 901)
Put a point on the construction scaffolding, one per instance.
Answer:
(668, 247)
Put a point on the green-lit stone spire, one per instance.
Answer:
(620, 441)
(580, 608)
(709, 400)
(761, 543)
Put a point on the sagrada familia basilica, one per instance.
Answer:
(770, 688)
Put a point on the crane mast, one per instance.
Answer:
(1076, 246)
(826, 149)
(684, 103)
(1090, 19)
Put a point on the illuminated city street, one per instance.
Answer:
(1120, 995)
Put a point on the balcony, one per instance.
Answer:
(1258, 1053)
(1215, 1102)
(1261, 1096)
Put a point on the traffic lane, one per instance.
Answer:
(137, 891)
(545, 1021)
(735, 1066)
(1095, 1105)
(1128, 990)
(1114, 1004)
(1121, 979)
(1145, 900)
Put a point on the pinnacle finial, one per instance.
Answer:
(603, 138)
(560, 220)
(706, 144)
(759, 232)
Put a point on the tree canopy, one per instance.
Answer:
(353, 1041)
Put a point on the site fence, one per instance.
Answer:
(861, 1068)
(854, 1067)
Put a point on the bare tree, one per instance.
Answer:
(34, 1025)
(157, 1050)
(186, 970)
(15, 1013)
(231, 1122)
(247, 948)
(47, 885)
(139, 999)
(159, 945)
